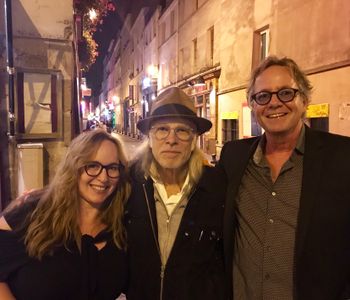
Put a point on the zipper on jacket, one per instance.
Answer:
(162, 270)
(162, 267)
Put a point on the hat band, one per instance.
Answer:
(173, 109)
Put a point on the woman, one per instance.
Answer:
(67, 241)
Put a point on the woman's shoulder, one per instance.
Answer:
(16, 214)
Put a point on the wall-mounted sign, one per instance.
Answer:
(229, 115)
(86, 92)
(344, 111)
(318, 110)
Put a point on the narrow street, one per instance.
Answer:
(130, 144)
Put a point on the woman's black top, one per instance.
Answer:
(66, 274)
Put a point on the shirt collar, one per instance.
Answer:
(258, 156)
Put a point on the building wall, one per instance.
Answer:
(43, 43)
(314, 33)
(333, 87)
(194, 25)
(168, 39)
(135, 99)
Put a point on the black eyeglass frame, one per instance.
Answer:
(295, 91)
(106, 167)
(191, 130)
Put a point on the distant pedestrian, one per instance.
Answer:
(67, 241)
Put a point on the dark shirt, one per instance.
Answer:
(264, 260)
(66, 274)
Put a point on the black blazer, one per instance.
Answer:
(195, 267)
(322, 249)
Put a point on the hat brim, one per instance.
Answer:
(202, 124)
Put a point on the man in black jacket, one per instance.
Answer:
(174, 215)
(287, 211)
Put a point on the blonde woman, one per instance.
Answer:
(67, 241)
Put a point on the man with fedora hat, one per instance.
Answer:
(174, 215)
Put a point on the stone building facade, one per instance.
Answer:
(209, 47)
(46, 88)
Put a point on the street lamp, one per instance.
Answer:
(199, 81)
(92, 14)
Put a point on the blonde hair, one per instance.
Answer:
(55, 219)
(300, 78)
(145, 163)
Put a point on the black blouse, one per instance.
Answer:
(67, 274)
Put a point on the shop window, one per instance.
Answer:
(320, 124)
(229, 130)
(256, 128)
(39, 104)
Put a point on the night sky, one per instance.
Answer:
(105, 32)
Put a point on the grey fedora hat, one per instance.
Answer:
(174, 102)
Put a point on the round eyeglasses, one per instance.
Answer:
(284, 95)
(182, 133)
(95, 168)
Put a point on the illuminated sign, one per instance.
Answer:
(86, 92)
(229, 115)
(318, 110)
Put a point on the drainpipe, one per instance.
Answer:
(10, 67)
(7, 124)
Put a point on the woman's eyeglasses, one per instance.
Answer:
(95, 168)
(284, 95)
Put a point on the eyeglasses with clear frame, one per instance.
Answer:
(284, 95)
(95, 168)
(183, 133)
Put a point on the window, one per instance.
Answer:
(210, 46)
(172, 70)
(320, 124)
(199, 100)
(162, 33)
(264, 44)
(194, 52)
(132, 45)
(131, 93)
(181, 63)
(202, 104)
(260, 45)
(256, 128)
(181, 12)
(207, 107)
(172, 22)
(229, 130)
(154, 26)
(39, 98)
